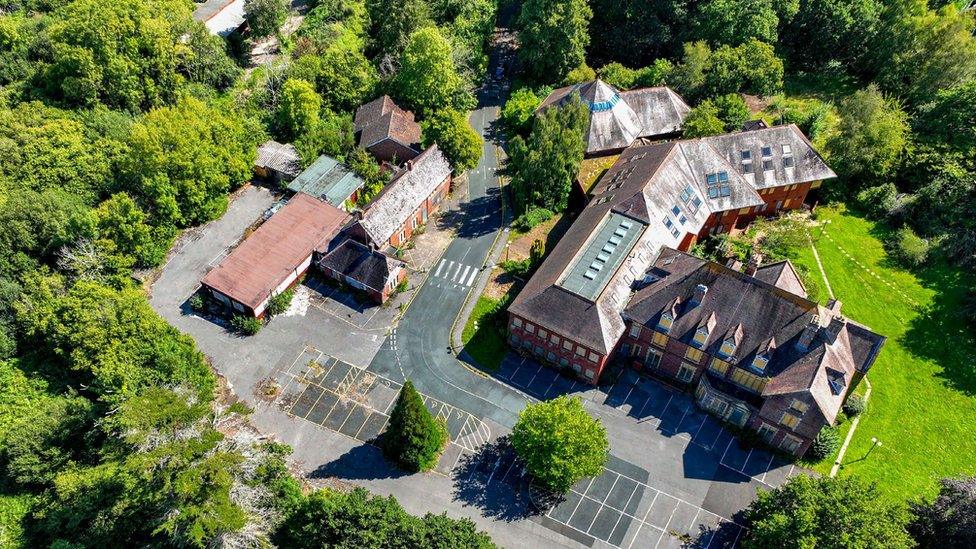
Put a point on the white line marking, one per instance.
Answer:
(451, 272)
(439, 267)
(474, 273)
(461, 279)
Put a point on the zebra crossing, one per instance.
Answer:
(454, 273)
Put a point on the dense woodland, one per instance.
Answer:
(125, 122)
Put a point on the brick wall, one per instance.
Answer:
(555, 349)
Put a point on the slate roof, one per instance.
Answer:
(362, 264)
(382, 119)
(401, 197)
(261, 263)
(807, 166)
(618, 118)
(783, 275)
(282, 158)
(328, 180)
(763, 317)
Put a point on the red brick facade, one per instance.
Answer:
(555, 349)
(421, 214)
(778, 199)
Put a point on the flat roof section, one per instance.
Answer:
(262, 262)
(329, 180)
(596, 263)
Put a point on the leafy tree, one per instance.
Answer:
(428, 80)
(455, 136)
(395, 23)
(825, 512)
(922, 51)
(948, 521)
(749, 68)
(944, 206)
(183, 159)
(45, 440)
(655, 74)
(414, 439)
(732, 111)
(878, 201)
(519, 109)
(333, 135)
(298, 111)
(128, 60)
(366, 167)
(347, 77)
(831, 30)
(559, 442)
(908, 248)
(545, 165)
(553, 36)
(950, 118)
(874, 134)
(633, 31)
(123, 222)
(580, 74)
(689, 75)
(207, 61)
(734, 22)
(703, 121)
(264, 17)
(35, 225)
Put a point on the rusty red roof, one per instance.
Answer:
(262, 262)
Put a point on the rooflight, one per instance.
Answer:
(603, 257)
(596, 266)
(620, 231)
(676, 210)
(767, 151)
(614, 240)
(626, 224)
(609, 248)
(590, 275)
(746, 155)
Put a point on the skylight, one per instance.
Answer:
(767, 151)
(718, 184)
(690, 199)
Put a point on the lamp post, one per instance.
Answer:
(507, 246)
(823, 228)
(874, 444)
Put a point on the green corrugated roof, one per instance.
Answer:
(327, 179)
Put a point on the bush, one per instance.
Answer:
(878, 201)
(908, 248)
(519, 269)
(518, 110)
(196, 302)
(580, 74)
(414, 438)
(279, 303)
(531, 218)
(824, 445)
(854, 405)
(246, 325)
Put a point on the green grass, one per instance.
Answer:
(485, 344)
(923, 404)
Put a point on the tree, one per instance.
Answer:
(824, 512)
(428, 80)
(207, 61)
(414, 439)
(553, 36)
(831, 30)
(948, 521)
(545, 165)
(45, 440)
(655, 74)
(734, 22)
(582, 73)
(752, 67)
(122, 221)
(346, 78)
(633, 31)
(873, 135)
(394, 23)
(732, 111)
(702, 121)
(183, 159)
(298, 110)
(519, 109)
(366, 167)
(455, 136)
(950, 118)
(559, 442)
(264, 17)
(689, 75)
(333, 135)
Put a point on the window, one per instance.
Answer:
(767, 164)
(580, 351)
(516, 322)
(790, 443)
(690, 199)
(799, 406)
(719, 366)
(590, 374)
(701, 334)
(568, 345)
(760, 362)
(749, 381)
(767, 432)
(713, 404)
(788, 161)
(787, 149)
(551, 356)
(787, 203)
(537, 350)
(515, 340)
(653, 359)
(747, 155)
(529, 328)
(577, 368)
(659, 339)
(665, 322)
(635, 330)
(413, 223)
(402, 236)
(693, 354)
(789, 420)
(593, 357)
(727, 348)
(564, 362)
(718, 184)
(686, 372)
(676, 210)
(554, 339)
(543, 334)
(767, 151)
(636, 351)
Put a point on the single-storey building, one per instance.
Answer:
(415, 191)
(618, 118)
(277, 162)
(388, 132)
(331, 181)
(371, 271)
(221, 17)
(275, 256)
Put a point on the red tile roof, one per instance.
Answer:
(262, 262)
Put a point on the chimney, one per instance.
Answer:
(409, 165)
(755, 260)
(808, 334)
(833, 329)
(834, 306)
(699, 296)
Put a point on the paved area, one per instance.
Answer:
(343, 305)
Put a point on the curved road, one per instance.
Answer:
(419, 348)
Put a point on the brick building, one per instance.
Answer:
(385, 130)
(751, 347)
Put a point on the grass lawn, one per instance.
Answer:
(485, 344)
(923, 404)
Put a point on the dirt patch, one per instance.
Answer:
(756, 103)
(549, 232)
(499, 284)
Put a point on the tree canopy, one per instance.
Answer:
(455, 136)
(949, 520)
(874, 134)
(428, 80)
(264, 17)
(553, 36)
(559, 442)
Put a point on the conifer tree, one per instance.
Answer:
(414, 439)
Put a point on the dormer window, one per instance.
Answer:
(746, 155)
(759, 363)
(701, 335)
(728, 348)
(665, 322)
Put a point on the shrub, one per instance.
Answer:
(246, 325)
(531, 218)
(878, 201)
(279, 303)
(824, 445)
(196, 302)
(414, 438)
(854, 405)
(908, 248)
(520, 269)
(582, 73)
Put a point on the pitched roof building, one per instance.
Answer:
(387, 131)
(363, 268)
(277, 161)
(329, 180)
(617, 119)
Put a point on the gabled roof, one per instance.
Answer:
(329, 180)
(366, 266)
(401, 197)
(261, 263)
(282, 158)
(783, 275)
(617, 118)
(382, 119)
(368, 113)
(759, 313)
